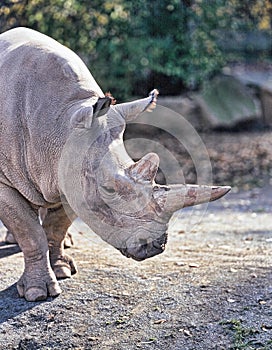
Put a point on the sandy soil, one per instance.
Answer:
(210, 289)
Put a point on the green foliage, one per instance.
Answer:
(125, 43)
(245, 338)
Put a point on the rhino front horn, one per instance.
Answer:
(174, 197)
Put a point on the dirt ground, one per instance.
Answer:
(210, 289)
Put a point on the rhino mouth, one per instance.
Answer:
(145, 248)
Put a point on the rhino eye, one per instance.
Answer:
(108, 190)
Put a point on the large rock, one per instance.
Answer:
(226, 102)
(258, 76)
(266, 101)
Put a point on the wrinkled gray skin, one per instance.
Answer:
(47, 94)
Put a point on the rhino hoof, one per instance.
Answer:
(35, 294)
(62, 272)
(39, 292)
(63, 266)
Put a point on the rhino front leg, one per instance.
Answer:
(55, 225)
(38, 280)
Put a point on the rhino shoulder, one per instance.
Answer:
(41, 54)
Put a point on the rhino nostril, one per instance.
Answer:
(157, 245)
(143, 242)
(160, 242)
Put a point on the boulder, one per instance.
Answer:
(259, 77)
(266, 101)
(226, 102)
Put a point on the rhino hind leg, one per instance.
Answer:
(68, 240)
(55, 225)
(38, 280)
(9, 238)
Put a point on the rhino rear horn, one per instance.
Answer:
(146, 168)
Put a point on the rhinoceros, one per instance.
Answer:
(48, 98)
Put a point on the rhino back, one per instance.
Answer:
(39, 81)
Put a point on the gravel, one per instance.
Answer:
(210, 289)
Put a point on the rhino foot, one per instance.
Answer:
(39, 287)
(63, 266)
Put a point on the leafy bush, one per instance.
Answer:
(129, 46)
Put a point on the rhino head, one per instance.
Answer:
(117, 197)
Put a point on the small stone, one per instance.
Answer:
(185, 332)
(92, 338)
(180, 232)
(163, 320)
(125, 293)
(194, 265)
(248, 238)
(229, 300)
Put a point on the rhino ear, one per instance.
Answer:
(82, 113)
(146, 168)
(82, 118)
